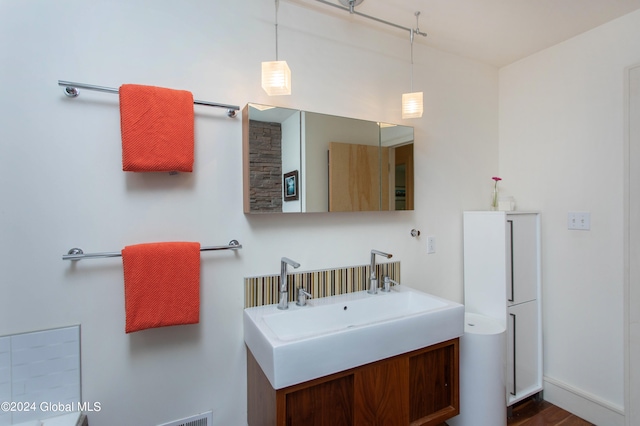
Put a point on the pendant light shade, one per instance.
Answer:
(276, 78)
(412, 105)
(276, 75)
(412, 102)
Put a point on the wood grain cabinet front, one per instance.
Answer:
(419, 388)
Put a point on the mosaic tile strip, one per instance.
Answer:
(259, 291)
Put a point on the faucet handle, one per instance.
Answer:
(302, 296)
(387, 282)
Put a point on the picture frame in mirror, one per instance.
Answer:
(290, 186)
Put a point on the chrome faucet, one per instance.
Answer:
(284, 293)
(373, 279)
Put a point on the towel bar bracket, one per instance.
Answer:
(75, 251)
(71, 92)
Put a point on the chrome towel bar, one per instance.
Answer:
(77, 254)
(71, 90)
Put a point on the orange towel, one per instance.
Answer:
(157, 129)
(161, 284)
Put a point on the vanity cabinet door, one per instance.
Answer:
(433, 384)
(382, 393)
(325, 404)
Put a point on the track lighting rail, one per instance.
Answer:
(352, 11)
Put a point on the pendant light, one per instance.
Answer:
(276, 75)
(412, 102)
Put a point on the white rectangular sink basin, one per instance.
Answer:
(333, 334)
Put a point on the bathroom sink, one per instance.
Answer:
(335, 333)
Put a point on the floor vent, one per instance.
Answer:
(204, 419)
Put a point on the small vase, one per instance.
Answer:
(494, 199)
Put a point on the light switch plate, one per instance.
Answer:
(431, 245)
(580, 221)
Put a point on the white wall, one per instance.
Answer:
(62, 185)
(291, 158)
(561, 150)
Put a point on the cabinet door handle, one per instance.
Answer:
(514, 355)
(510, 222)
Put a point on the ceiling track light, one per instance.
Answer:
(276, 75)
(412, 105)
(349, 6)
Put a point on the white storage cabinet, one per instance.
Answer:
(502, 281)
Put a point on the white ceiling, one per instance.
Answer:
(497, 32)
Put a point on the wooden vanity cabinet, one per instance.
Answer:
(415, 388)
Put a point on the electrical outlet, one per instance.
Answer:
(431, 245)
(579, 221)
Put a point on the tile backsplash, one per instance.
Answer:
(39, 368)
(263, 290)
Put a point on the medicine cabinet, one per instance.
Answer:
(304, 162)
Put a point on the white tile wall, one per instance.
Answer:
(39, 367)
(5, 378)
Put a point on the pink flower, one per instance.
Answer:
(496, 178)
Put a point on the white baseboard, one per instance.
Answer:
(583, 404)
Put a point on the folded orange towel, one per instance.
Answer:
(161, 284)
(157, 129)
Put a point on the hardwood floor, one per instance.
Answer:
(542, 413)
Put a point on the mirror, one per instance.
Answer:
(303, 162)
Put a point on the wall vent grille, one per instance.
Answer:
(203, 419)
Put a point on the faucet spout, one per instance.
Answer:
(284, 293)
(373, 280)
